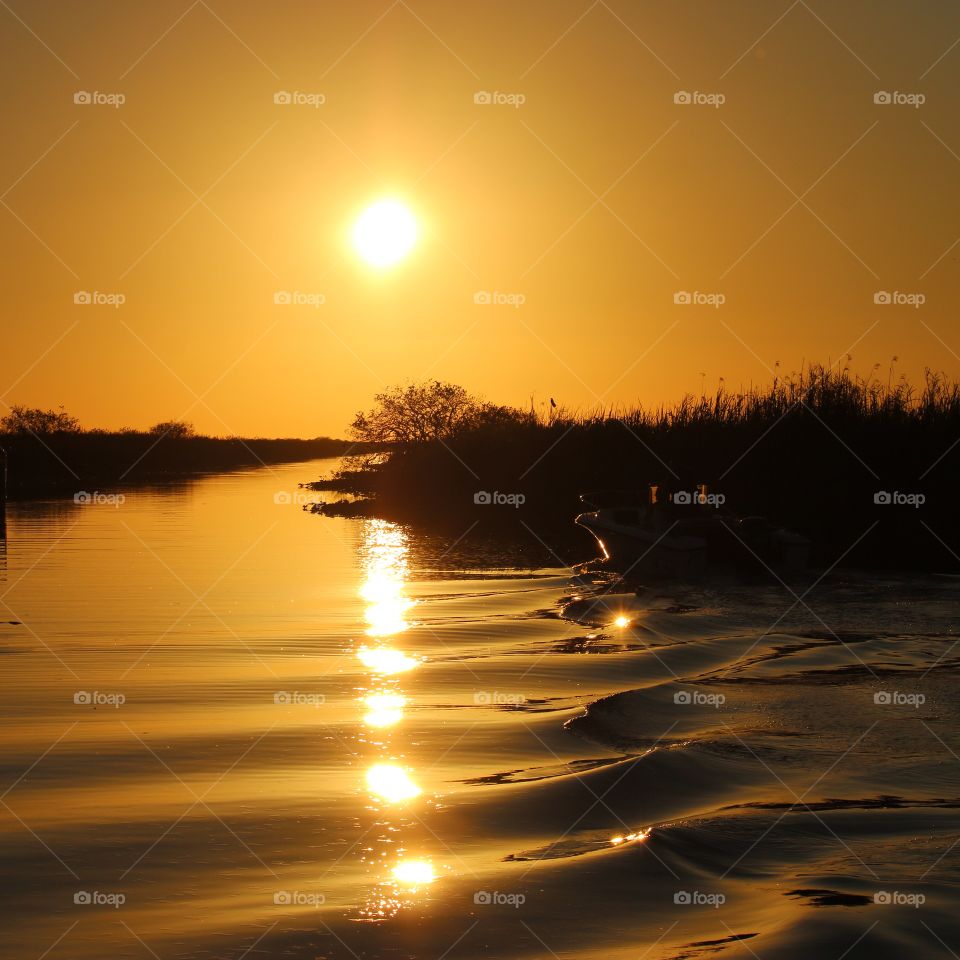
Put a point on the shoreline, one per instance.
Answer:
(59, 465)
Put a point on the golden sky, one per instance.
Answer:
(583, 201)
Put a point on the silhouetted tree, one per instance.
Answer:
(178, 429)
(419, 413)
(36, 420)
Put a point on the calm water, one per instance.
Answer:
(231, 728)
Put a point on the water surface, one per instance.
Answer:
(232, 728)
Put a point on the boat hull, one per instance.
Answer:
(647, 551)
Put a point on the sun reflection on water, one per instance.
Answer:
(391, 783)
(385, 660)
(381, 906)
(385, 574)
(638, 836)
(383, 589)
(414, 873)
(384, 709)
(407, 878)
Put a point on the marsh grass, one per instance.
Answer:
(810, 451)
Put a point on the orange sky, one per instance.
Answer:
(596, 200)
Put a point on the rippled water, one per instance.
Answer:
(231, 728)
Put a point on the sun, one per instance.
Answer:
(385, 233)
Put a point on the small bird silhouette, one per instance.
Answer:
(553, 403)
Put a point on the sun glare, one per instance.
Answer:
(385, 233)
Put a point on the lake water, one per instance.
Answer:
(235, 729)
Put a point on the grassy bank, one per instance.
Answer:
(61, 463)
(816, 452)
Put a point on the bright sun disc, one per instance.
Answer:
(385, 233)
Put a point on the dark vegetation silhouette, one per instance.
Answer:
(49, 454)
(421, 413)
(815, 451)
(32, 420)
(176, 429)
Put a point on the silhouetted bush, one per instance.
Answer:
(27, 420)
(173, 428)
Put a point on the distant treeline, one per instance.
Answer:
(866, 467)
(48, 453)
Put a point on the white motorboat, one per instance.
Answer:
(680, 534)
(630, 540)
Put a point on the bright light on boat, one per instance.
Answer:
(384, 660)
(414, 872)
(384, 709)
(621, 621)
(391, 783)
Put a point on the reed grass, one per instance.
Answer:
(811, 451)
